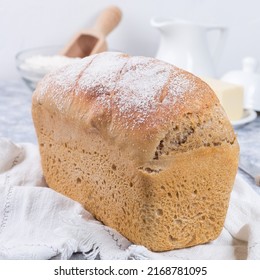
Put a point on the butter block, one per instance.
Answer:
(230, 96)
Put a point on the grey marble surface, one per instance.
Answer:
(16, 124)
(15, 112)
(249, 141)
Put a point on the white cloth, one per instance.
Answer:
(39, 223)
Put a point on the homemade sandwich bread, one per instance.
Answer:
(145, 146)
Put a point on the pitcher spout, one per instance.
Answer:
(161, 23)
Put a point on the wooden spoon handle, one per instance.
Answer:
(108, 20)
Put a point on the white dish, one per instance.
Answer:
(248, 116)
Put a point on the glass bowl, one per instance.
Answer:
(34, 64)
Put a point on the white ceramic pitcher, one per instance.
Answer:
(185, 44)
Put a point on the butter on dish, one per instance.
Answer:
(231, 97)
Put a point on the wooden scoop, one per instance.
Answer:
(91, 41)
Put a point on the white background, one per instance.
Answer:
(33, 23)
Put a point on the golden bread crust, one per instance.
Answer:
(145, 146)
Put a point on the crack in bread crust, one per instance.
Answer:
(192, 132)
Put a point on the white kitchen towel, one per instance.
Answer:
(39, 223)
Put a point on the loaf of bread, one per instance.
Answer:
(145, 146)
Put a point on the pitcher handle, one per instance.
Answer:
(221, 41)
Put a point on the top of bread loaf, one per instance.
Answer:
(147, 107)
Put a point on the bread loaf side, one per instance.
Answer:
(145, 146)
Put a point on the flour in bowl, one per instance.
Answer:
(45, 64)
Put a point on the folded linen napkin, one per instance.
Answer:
(38, 223)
